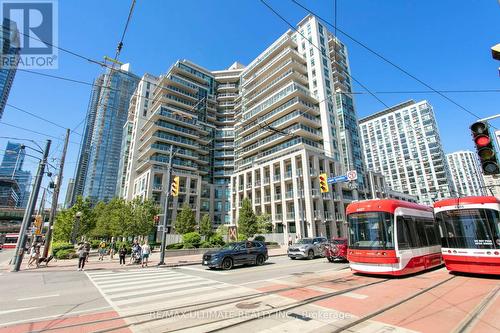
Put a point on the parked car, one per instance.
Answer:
(239, 253)
(307, 248)
(336, 250)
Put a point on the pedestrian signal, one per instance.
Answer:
(323, 185)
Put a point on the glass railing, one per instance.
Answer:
(290, 216)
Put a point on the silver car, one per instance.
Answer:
(308, 248)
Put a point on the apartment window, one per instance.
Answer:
(313, 72)
(323, 51)
(303, 46)
(315, 84)
(322, 41)
(327, 83)
(327, 73)
(325, 63)
(320, 28)
(312, 61)
(311, 52)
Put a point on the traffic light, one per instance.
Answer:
(323, 185)
(38, 223)
(174, 188)
(485, 148)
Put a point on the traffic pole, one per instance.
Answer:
(30, 208)
(55, 197)
(165, 213)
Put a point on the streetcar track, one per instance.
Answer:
(392, 306)
(472, 317)
(265, 313)
(212, 304)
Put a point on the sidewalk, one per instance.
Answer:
(95, 264)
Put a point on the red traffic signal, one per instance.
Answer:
(323, 185)
(485, 148)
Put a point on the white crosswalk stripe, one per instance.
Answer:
(156, 287)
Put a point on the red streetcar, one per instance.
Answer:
(470, 234)
(392, 237)
(10, 241)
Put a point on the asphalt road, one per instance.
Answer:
(31, 296)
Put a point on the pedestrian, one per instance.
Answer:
(136, 251)
(102, 249)
(37, 255)
(289, 240)
(122, 253)
(112, 248)
(32, 255)
(82, 256)
(87, 249)
(296, 238)
(145, 251)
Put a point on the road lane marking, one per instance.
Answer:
(18, 310)
(62, 315)
(37, 297)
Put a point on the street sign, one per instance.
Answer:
(337, 179)
(232, 234)
(352, 175)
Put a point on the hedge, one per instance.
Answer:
(59, 246)
(174, 246)
(260, 238)
(66, 254)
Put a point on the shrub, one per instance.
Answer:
(272, 243)
(59, 246)
(128, 246)
(242, 237)
(175, 246)
(66, 254)
(260, 238)
(94, 244)
(192, 238)
(188, 246)
(206, 245)
(217, 240)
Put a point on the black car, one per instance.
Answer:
(233, 254)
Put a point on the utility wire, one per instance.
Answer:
(36, 132)
(387, 60)
(38, 117)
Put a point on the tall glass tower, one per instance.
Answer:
(9, 42)
(11, 168)
(97, 172)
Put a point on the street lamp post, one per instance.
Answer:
(76, 226)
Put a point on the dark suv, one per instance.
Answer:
(240, 253)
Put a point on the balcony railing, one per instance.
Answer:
(278, 217)
(326, 196)
(257, 201)
(315, 192)
(290, 216)
(249, 185)
(276, 178)
(257, 183)
(328, 216)
(289, 195)
(266, 180)
(339, 217)
(277, 196)
(267, 198)
(157, 187)
(288, 174)
(317, 214)
(240, 188)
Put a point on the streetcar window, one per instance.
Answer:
(470, 228)
(422, 238)
(371, 230)
(431, 232)
(407, 238)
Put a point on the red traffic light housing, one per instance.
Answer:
(323, 184)
(485, 148)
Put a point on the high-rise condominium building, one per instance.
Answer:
(98, 166)
(191, 110)
(465, 173)
(290, 128)
(403, 144)
(11, 168)
(9, 43)
(492, 185)
(69, 193)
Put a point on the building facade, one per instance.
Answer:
(465, 174)
(492, 185)
(9, 40)
(69, 193)
(293, 99)
(403, 144)
(189, 109)
(11, 168)
(100, 152)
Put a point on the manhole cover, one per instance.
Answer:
(248, 305)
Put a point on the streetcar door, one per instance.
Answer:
(404, 240)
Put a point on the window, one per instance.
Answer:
(320, 28)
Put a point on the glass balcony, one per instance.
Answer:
(277, 196)
(289, 195)
(267, 199)
(276, 178)
(290, 216)
(288, 174)
(278, 217)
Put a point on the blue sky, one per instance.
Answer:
(445, 43)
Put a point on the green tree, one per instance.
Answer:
(206, 227)
(65, 220)
(185, 221)
(264, 224)
(113, 218)
(142, 214)
(247, 221)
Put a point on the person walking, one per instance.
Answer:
(289, 240)
(112, 248)
(122, 253)
(86, 244)
(82, 256)
(102, 249)
(32, 256)
(136, 251)
(145, 251)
